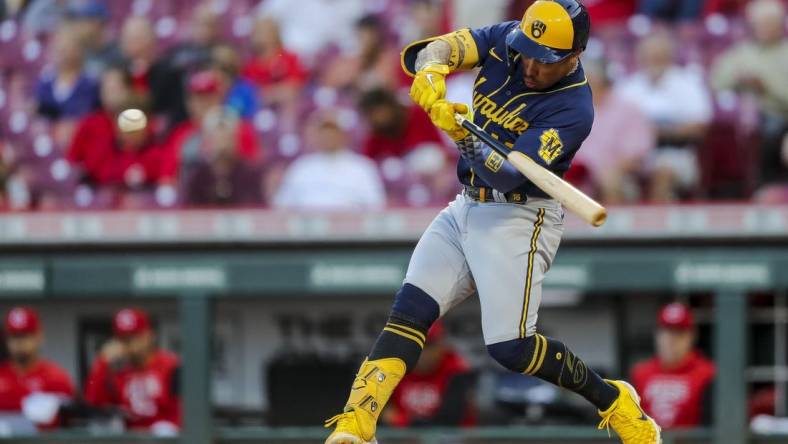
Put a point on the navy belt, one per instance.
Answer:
(485, 194)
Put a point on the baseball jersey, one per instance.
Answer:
(44, 377)
(419, 397)
(148, 395)
(675, 397)
(547, 125)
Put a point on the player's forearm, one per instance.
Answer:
(490, 166)
(437, 51)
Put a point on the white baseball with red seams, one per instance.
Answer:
(131, 120)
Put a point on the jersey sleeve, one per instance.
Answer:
(553, 142)
(488, 37)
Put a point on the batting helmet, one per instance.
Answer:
(550, 31)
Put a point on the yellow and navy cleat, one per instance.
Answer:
(628, 420)
(374, 383)
(347, 430)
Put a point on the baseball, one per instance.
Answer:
(132, 120)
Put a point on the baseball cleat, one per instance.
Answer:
(374, 383)
(628, 419)
(346, 431)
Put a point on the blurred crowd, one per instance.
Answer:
(252, 105)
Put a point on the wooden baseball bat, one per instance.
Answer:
(575, 200)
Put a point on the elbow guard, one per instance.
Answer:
(464, 54)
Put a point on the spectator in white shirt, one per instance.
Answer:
(333, 177)
(316, 24)
(676, 100)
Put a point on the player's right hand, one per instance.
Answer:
(429, 85)
(442, 115)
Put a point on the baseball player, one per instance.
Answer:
(499, 237)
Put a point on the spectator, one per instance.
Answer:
(428, 18)
(138, 49)
(676, 384)
(670, 10)
(188, 143)
(190, 55)
(334, 177)
(106, 155)
(65, 91)
(222, 178)
(133, 374)
(374, 64)
(28, 382)
(329, 23)
(675, 99)
(438, 390)
(620, 141)
(759, 67)
(395, 129)
(241, 94)
(153, 79)
(89, 21)
(277, 71)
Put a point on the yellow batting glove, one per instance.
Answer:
(443, 113)
(429, 85)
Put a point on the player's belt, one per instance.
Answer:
(485, 194)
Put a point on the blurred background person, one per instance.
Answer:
(758, 67)
(90, 22)
(221, 177)
(375, 63)
(110, 157)
(278, 72)
(65, 91)
(438, 391)
(132, 373)
(676, 100)
(676, 384)
(28, 382)
(405, 132)
(621, 140)
(188, 142)
(333, 177)
(241, 94)
(330, 24)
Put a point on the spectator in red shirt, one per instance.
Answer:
(108, 156)
(188, 144)
(397, 131)
(437, 391)
(28, 382)
(133, 374)
(276, 70)
(676, 384)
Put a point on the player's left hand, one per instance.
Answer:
(429, 85)
(443, 113)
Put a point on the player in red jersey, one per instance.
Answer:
(133, 374)
(26, 379)
(675, 384)
(437, 391)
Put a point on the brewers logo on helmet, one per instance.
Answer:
(550, 31)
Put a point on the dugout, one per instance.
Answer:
(193, 266)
